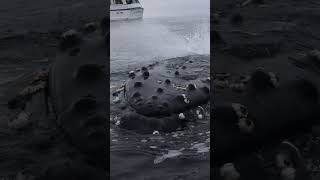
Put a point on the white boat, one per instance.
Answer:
(125, 10)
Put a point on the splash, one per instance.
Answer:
(148, 40)
(198, 41)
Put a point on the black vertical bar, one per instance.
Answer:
(107, 37)
(211, 90)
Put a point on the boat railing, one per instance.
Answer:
(125, 6)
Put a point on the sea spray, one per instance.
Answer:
(138, 42)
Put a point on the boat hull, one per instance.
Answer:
(126, 12)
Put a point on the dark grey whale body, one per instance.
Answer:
(77, 88)
(269, 114)
(158, 94)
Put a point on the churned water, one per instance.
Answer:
(141, 42)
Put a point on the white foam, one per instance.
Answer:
(201, 147)
(170, 154)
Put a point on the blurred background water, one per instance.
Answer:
(151, 39)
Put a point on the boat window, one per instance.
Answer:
(124, 1)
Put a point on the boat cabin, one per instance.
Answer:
(124, 1)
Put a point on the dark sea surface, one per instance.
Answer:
(28, 42)
(20, 16)
(28, 36)
(178, 155)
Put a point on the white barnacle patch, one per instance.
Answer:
(119, 89)
(182, 116)
(175, 135)
(179, 87)
(114, 119)
(186, 100)
(229, 172)
(155, 132)
(200, 112)
(116, 100)
(118, 122)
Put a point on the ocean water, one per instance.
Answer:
(148, 40)
(178, 155)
